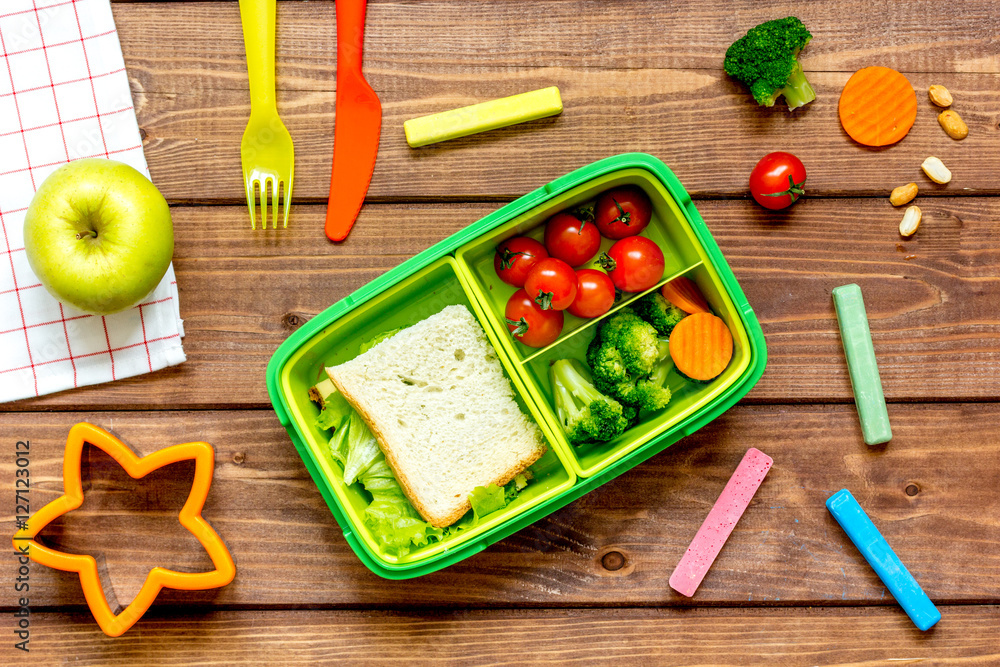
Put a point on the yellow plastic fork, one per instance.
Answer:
(266, 151)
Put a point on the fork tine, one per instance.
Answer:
(263, 203)
(251, 203)
(268, 184)
(274, 200)
(257, 202)
(288, 198)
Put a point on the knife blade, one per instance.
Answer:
(357, 124)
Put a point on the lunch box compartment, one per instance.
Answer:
(477, 256)
(421, 295)
(687, 398)
(683, 255)
(459, 270)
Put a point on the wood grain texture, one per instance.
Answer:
(786, 550)
(630, 34)
(931, 300)
(590, 581)
(185, 62)
(826, 636)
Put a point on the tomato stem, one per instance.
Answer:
(584, 214)
(623, 217)
(507, 257)
(544, 299)
(520, 326)
(606, 262)
(794, 190)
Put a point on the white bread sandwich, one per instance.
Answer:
(435, 397)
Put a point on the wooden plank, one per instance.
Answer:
(185, 61)
(675, 115)
(930, 299)
(630, 34)
(867, 636)
(931, 492)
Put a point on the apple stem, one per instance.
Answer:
(90, 232)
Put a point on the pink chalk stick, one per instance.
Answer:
(720, 522)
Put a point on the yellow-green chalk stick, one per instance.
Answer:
(865, 381)
(483, 117)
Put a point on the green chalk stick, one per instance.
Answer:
(861, 363)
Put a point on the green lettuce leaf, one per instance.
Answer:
(489, 499)
(390, 515)
(466, 522)
(326, 420)
(486, 500)
(396, 525)
(512, 488)
(363, 452)
(321, 395)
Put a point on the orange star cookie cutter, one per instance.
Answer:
(86, 566)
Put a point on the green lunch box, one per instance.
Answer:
(459, 270)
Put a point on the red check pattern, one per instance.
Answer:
(64, 95)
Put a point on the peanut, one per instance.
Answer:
(903, 194)
(935, 170)
(910, 222)
(953, 124)
(940, 96)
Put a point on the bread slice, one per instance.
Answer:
(435, 397)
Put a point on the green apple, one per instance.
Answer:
(98, 235)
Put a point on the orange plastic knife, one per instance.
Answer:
(357, 125)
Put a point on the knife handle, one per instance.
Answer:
(350, 34)
(259, 17)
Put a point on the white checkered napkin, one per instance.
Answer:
(64, 95)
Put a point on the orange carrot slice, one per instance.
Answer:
(878, 106)
(701, 346)
(684, 293)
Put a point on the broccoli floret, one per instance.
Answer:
(659, 312)
(607, 365)
(648, 393)
(633, 338)
(585, 413)
(630, 413)
(620, 320)
(654, 394)
(766, 59)
(630, 363)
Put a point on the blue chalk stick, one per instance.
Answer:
(880, 556)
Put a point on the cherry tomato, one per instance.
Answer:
(622, 212)
(516, 257)
(529, 323)
(552, 283)
(634, 263)
(595, 293)
(572, 240)
(777, 180)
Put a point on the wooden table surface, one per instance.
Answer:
(588, 582)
